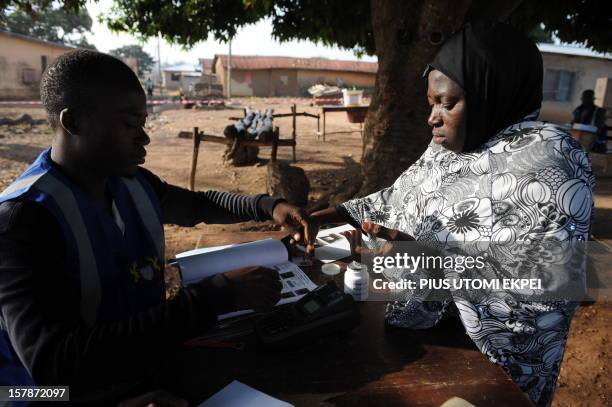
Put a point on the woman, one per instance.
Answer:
(491, 174)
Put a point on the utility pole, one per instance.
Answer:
(229, 71)
(161, 89)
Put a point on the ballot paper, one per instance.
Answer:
(330, 245)
(238, 394)
(201, 263)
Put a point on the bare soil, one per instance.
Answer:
(585, 378)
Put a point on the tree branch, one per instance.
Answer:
(492, 10)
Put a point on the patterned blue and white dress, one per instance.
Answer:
(530, 183)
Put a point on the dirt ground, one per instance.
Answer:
(585, 378)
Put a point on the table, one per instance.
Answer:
(373, 365)
(355, 109)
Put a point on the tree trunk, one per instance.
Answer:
(407, 35)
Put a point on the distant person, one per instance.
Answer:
(82, 258)
(589, 113)
(149, 87)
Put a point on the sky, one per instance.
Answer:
(255, 39)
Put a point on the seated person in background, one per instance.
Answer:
(495, 177)
(589, 113)
(82, 296)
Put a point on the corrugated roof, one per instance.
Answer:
(36, 40)
(256, 62)
(570, 50)
(183, 68)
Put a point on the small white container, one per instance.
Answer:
(357, 281)
(330, 269)
(352, 97)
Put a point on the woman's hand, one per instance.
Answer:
(358, 249)
(379, 231)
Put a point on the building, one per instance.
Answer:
(209, 85)
(287, 76)
(567, 72)
(181, 76)
(23, 59)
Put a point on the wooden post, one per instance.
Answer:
(274, 144)
(323, 109)
(318, 126)
(194, 158)
(294, 132)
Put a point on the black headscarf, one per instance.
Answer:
(500, 71)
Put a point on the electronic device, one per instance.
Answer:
(323, 311)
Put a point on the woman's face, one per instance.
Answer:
(448, 111)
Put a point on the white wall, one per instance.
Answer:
(586, 69)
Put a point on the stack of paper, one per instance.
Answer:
(201, 263)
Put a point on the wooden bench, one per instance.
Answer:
(294, 115)
(197, 136)
(276, 142)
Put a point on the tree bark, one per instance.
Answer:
(407, 34)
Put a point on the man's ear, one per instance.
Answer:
(67, 121)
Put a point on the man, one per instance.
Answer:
(149, 86)
(82, 298)
(588, 113)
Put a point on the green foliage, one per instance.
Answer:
(145, 61)
(540, 34)
(345, 23)
(184, 22)
(45, 21)
(587, 22)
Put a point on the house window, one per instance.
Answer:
(28, 76)
(558, 85)
(175, 77)
(284, 80)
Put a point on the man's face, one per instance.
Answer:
(588, 99)
(112, 138)
(448, 111)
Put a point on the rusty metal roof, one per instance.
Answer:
(256, 62)
(39, 41)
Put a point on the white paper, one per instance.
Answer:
(201, 263)
(331, 245)
(295, 285)
(238, 394)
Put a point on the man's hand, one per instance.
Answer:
(303, 227)
(254, 287)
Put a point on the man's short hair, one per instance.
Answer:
(76, 80)
(588, 92)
